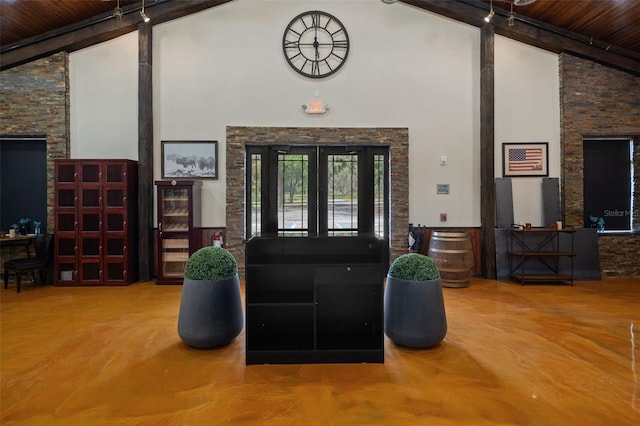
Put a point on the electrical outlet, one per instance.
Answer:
(443, 217)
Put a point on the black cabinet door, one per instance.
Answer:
(348, 307)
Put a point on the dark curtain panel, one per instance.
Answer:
(607, 183)
(23, 181)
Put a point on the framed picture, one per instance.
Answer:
(525, 159)
(189, 159)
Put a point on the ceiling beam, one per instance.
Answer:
(98, 30)
(472, 12)
(534, 33)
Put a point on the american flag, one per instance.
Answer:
(524, 159)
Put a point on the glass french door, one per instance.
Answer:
(311, 191)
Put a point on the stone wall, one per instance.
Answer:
(598, 101)
(34, 101)
(396, 138)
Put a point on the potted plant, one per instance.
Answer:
(414, 313)
(210, 306)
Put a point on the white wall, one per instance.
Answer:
(527, 109)
(406, 68)
(104, 99)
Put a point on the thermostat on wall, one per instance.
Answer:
(442, 188)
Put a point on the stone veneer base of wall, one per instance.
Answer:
(397, 139)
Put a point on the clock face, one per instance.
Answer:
(316, 44)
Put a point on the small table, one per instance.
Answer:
(19, 241)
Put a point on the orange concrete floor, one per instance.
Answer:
(513, 355)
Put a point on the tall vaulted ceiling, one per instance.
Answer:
(607, 31)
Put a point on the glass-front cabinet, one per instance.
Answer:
(96, 222)
(178, 227)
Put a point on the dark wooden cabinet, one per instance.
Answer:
(314, 300)
(96, 217)
(178, 227)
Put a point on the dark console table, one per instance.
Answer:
(315, 300)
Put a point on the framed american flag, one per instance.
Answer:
(525, 159)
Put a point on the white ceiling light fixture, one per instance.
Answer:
(523, 2)
(490, 15)
(389, 1)
(144, 16)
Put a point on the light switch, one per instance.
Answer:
(443, 160)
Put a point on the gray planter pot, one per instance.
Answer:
(414, 314)
(210, 312)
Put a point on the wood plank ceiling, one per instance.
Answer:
(609, 23)
(607, 31)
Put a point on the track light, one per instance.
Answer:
(117, 12)
(490, 15)
(511, 17)
(144, 16)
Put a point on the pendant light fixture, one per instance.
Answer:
(490, 15)
(117, 12)
(511, 17)
(144, 16)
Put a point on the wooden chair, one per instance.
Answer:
(39, 262)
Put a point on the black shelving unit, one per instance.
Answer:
(536, 255)
(314, 300)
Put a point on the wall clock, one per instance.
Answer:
(316, 44)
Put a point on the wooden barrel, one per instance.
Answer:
(453, 255)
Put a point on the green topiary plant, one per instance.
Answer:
(414, 267)
(212, 264)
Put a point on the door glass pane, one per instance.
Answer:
(66, 173)
(115, 271)
(307, 199)
(66, 198)
(66, 222)
(90, 222)
(256, 194)
(66, 246)
(66, 271)
(90, 198)
(90, 247)
(115, 197)
(115, 247)
(115, 222)
(115, 173)
(175, 205)
(378, 196)
(90, 173)
(175, 252)
(342, 193)
(293, 195)
(90, 271)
